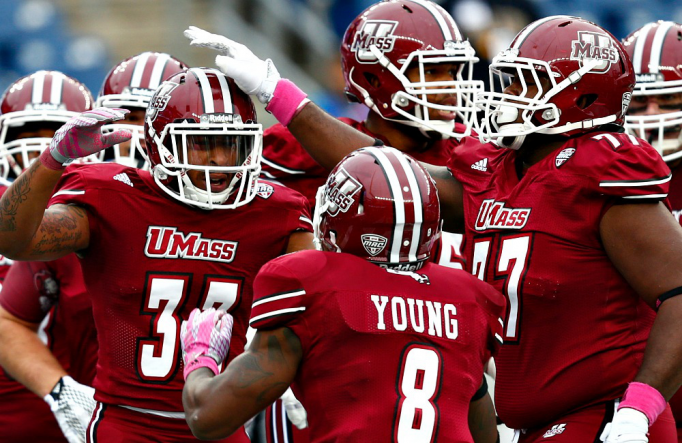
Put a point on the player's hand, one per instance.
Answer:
(628, 426)
(253, 75)
(82, 136)
(205, 339)
(295, 410)
(72, 404)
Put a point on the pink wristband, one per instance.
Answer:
(49, 162)
(201, 362)
(645, 399)
(286, 101)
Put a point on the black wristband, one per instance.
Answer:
(481, 391)
(378, 142)
(668, 294)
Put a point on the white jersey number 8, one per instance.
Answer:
(419, 382)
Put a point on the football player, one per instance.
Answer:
(567, 220)
(191, 233)
(130, 85)
(46, 298)
(408, 62)
(378, 343)
(655, 112)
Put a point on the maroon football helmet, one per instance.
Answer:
(391, 36)
(656, 53)
(42, 100)
(589, 77)
(194, 114)
(381, 205)
(131, 84)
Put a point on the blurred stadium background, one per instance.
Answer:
(85, 38)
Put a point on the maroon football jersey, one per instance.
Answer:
(52, 294)
(387, 355)
(575, 329)
(152, 259)
(287, 162)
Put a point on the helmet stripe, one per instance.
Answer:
(205, 86)
(657, 46)
(533, 26)
(416, 203)
(140, 64)
(38, 85)
(159, 68)
(398, 203)
(639, 48)
(224, 90)
(440, 19)
(56, 88)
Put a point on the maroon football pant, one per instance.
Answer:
(114, 424)
(587, 425)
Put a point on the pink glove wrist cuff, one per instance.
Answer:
(286, 101)
(645, 399)
(201, 361)
(49, 161)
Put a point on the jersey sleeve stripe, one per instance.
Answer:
(656, 196)
(274, 165)
(278, 296)
(269, 315)
(69, 192)
(305, 219)
(650, 182)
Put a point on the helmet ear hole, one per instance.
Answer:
(586, 100)
(372, 80)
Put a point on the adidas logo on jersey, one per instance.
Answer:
(123, 178)
(555, 430)
(481, 165)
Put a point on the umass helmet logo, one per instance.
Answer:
(160, 100)
(373, 32)
(341, 188)
(594, 46)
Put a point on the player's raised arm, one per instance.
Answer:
(325, 138)
(27, 230)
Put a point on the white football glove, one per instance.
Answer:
(628, 426)
(253, 75)
(295, 411)
(73, 404)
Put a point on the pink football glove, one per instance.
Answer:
(82, 136)
(205, 339)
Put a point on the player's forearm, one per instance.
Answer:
(210, 410)
(22, 207)
(663, 356)
(326, 139)
(27, 359)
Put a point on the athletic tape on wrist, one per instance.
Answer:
(645, 399)
(286, 102)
